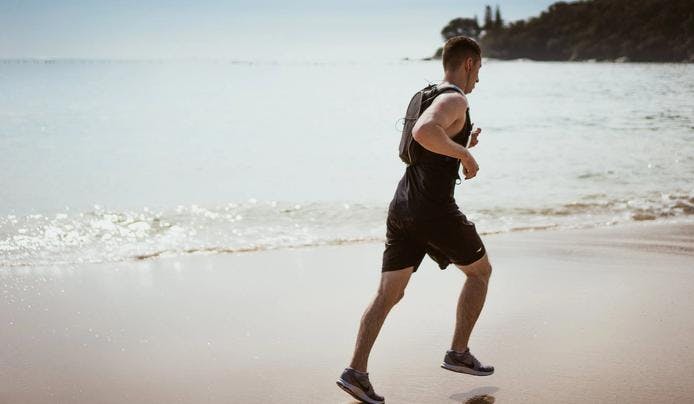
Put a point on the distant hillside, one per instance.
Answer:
(625, 30)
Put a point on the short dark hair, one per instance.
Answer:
(457, 49)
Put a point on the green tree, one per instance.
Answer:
(498, 22)
(488, 22)
(461, 26)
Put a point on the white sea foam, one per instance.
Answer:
(102, 235)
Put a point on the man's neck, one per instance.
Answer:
(460, 82)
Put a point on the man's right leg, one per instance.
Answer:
(390, 291)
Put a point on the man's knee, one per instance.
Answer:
(398, 297)
(392, 287)
(390, 295)
(480, 269)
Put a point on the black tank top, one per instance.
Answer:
(426, 189)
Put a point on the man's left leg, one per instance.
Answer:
(470, 303)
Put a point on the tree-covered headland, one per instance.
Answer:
(623, 30)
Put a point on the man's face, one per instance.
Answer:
(472, 68)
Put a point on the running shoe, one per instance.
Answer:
(358, 386)
(465, 363)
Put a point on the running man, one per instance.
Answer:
(423, 219)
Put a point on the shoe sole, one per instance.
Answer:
(466, 370)
(356, 392)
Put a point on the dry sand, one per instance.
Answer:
(575, 316)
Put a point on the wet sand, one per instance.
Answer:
(572, 316)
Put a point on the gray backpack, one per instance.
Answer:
(409, 148)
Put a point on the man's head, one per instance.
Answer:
(462, 59)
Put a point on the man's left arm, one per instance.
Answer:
(474, 134)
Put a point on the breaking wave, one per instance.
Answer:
(103, 235)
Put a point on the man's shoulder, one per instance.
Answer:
(451, 99)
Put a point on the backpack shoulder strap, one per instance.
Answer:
(442, 88)
(439, 89)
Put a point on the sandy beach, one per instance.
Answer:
(599, 315)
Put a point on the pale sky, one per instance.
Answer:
(264, 30)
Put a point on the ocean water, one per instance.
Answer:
(115, 161)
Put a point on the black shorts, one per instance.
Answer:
(449, 239)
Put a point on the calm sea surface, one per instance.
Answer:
(111, 161)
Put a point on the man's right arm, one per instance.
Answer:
(430, 130)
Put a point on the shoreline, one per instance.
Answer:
(166, 254)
